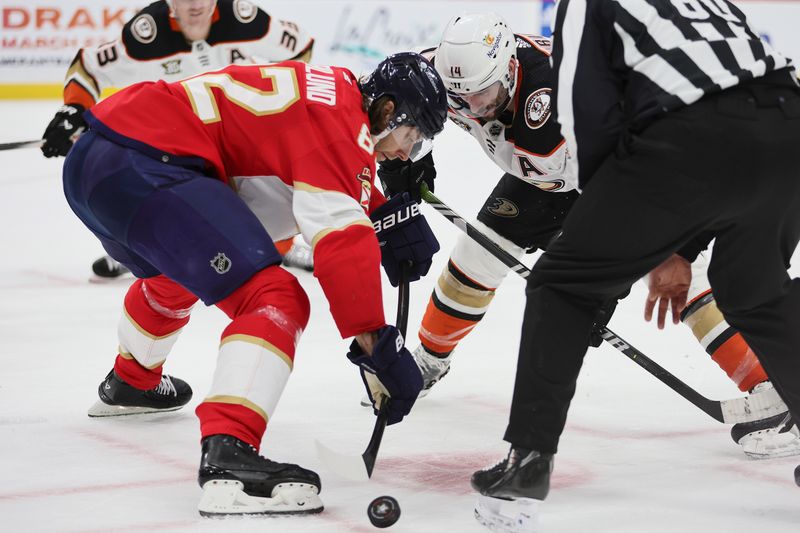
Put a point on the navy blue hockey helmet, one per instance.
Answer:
(415, 87)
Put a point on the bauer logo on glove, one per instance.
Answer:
(405, 238)
(403, 214)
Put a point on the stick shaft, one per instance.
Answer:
(19, 144)
(712, 408)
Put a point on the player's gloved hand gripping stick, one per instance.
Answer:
(753, 407)
(387, 411)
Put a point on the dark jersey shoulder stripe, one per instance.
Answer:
(621, 63)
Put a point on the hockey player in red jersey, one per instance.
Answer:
(503, 101)
(190, 196)
(170, 40)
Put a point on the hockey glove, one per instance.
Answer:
(398, 176)
(58, 137)
(390, 372)
(405, 238)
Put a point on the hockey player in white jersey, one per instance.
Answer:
(170, 40)
(499, 87)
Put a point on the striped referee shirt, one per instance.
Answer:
(620, 63)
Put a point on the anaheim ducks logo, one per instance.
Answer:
(244, 11)
(143, 29)
(537, 108)
(503, 207)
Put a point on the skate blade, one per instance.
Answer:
(508, 516)
(223, 497)
(100, 409)
(776, 446)
(126, 278)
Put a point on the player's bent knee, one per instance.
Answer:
(271, 287)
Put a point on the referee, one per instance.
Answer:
(683, 126)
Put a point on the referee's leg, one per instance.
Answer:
(748, 271)
(633, 215)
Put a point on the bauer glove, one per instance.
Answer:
(405, 238)
(59, 135)
(398, 176)
(390, 372)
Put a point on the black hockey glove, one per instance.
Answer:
(405, 238)
(398, 176)
(390, 372)
(58, 137)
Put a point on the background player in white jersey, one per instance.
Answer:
(170, 40)
(499, 87)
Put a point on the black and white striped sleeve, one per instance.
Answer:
(588, 91)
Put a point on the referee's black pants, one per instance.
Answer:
(729, 164)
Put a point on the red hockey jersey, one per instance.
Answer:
(293, 140)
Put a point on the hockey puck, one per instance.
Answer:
(383, 511)
(796, 479)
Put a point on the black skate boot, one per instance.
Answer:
(118, 398)
(774, 436)
(237, 480)
(108, 268)
(510, 491)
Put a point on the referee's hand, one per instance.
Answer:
(668, 284)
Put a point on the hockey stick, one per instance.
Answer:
(19, 144)
(371, 453)
(354, 467)
(747, 409)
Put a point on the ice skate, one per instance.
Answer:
(433, 369)
(508, 516)
(776, 436)
(236, 480)
(117, 398)
(511, 491)
(106, 268)
(301, 256)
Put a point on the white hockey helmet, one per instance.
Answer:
(474, 54)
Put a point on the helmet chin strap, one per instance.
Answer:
(511, 89)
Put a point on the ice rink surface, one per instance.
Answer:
(635, 457)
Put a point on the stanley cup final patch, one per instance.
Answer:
(221, 264)
(537, 108)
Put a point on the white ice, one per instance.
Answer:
(635, 457)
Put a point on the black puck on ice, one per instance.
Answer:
(796, 477)
(383, 511)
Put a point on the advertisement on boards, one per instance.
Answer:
(39, 38)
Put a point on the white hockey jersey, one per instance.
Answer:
(152, 47)
(528, 143)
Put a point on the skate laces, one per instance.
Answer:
(431, 367)
(166, 387)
